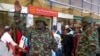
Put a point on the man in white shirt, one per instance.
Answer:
(3, 48)
(57, 37)
(7, 39)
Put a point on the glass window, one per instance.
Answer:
(89, 0)
(95, 8)
(4, 18)
(95, 2)
(63, 1)
(7, 18)
(86, 5)
(77, 3)
(99, 10)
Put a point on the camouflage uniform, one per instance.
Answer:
(87, 40)
(40, 41)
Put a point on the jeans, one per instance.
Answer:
(58, 52)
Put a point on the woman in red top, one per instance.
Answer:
(75, 40)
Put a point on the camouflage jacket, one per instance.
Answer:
(86, 42)
(40, 42)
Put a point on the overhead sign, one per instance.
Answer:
(41, 11)
(96, 20)
(63, 15)
(77, 17)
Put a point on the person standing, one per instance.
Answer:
(75, 40)
(10, 43)
(66, 42)
(58, 39)
(40, 39)
(3, 47)
(88, 40)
